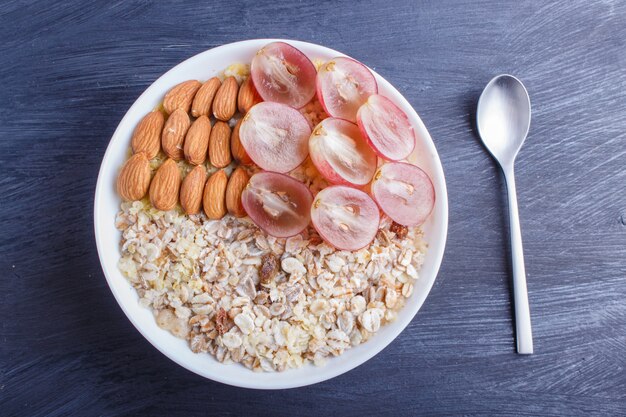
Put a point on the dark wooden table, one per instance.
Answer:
(70, 70)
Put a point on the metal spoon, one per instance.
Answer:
(503, 119)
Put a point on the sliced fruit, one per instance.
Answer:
(275, 136)
(282, 73)
(404, 192)
(277, 203)
(343, 85)
(386, 128)
(345, 217)
(340, 153)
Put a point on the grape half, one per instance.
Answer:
(275, 136)
(283, 74)
(277, 203)
(345, 217)
(341, 154)
(343, 85)
(386, 128)
(404, 192)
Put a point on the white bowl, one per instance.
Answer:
(107, 203)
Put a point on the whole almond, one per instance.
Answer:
(225, 103)
(248, 96)
(219, 145)
(181, 96)
(236, 148)
(134, 178)
(191, 190)
(214, 197)
(197, 140)
(173, 135)
(203, 100)
(165, 186)
(147, 134)
(236, 183)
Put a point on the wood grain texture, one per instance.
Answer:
(70, 71)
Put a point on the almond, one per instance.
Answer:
(181, 96)
(197, 140)
(248, 96)
(165, 186)
(236, 183)
(134, 178)
(213, 199)
(225, 103)
(236, 148)
(173, 135)
(219, 145)
(203, 100)
(191, 190)
(147, 134)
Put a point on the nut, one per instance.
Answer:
(181, 96)
(236, 183)
(191, 190)
(197, 140)
(147, 134)
(214, 196)
(174, 133)
(134, 178)
(203, 100)
(399, 230)
(239, 152)
(165, 186)
(268, 270)
(222, 323)
(219, 145)
(248, 96)
(225, 103)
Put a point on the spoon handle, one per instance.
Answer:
(522, 310)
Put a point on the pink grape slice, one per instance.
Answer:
(343, 85)
(386, 127)
(283, 74)
(345, 217)
(277, 203)
(341, 154)
(404, 192)
(275, 136)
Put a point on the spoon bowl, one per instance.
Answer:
(503, 117)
